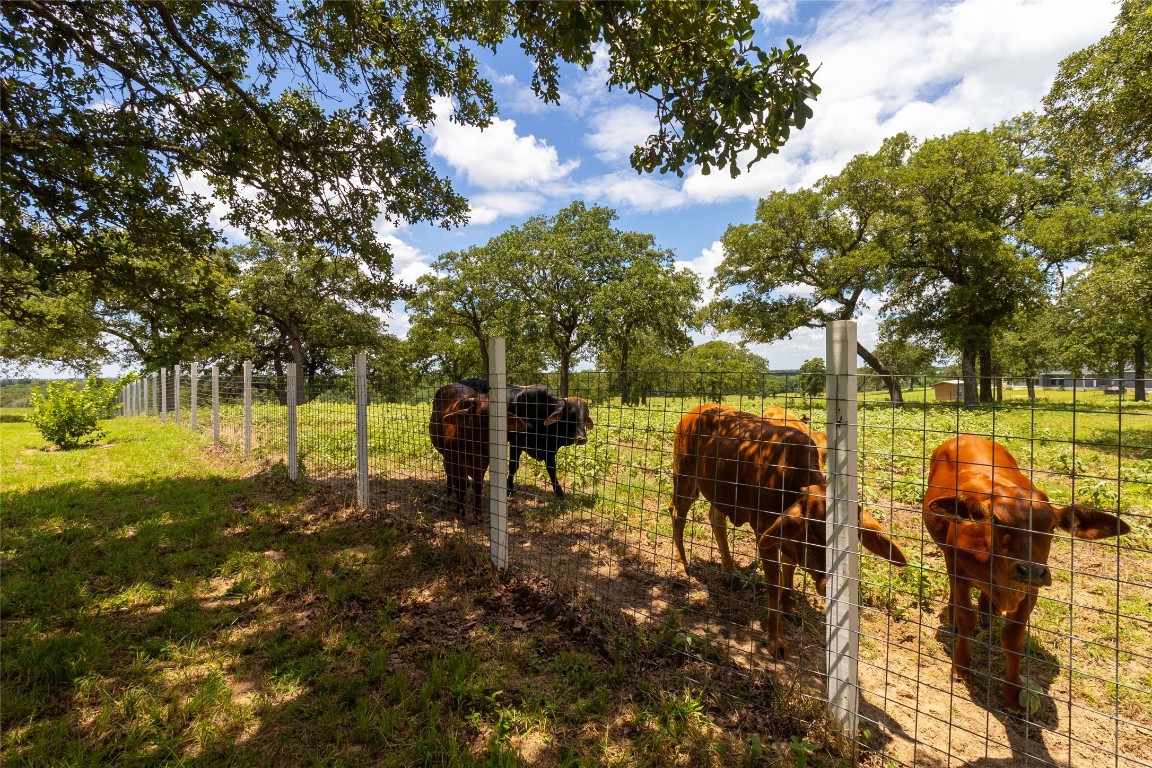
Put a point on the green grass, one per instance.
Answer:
(168, 604)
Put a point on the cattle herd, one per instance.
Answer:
(993, 526)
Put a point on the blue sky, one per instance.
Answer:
(929, 68)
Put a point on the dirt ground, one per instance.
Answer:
(912, 712)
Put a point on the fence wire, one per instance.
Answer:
(1087, 657)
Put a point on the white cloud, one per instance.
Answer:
(496, 157)
(926, 68)
(775, 10)
(705, 266)
(615, 132)
(628, 189)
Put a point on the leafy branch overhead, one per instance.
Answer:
(306, 116)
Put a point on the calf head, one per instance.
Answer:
(469, 416)
(802, 529)
(1002, 542)
(572, 419)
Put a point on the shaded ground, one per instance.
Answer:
(1097, 714)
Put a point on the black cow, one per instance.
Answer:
(553, 422)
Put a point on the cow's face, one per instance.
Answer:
(1002, 543)
(572, 419)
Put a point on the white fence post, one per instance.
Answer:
(291, 384)
(195, 384)
(247, 407)
(176, 393)
(144, 396)
(498, 452)
(136, 397)
(362, 429)
(163, 396)
(843, 590)
(215, 404)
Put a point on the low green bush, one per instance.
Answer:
(68, 415)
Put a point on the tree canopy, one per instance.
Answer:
(1101, 100)
(305, 117)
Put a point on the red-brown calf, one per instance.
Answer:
(765, 475)
(995, 530)
(459, 431)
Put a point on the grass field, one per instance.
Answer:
(166, 603)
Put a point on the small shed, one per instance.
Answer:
(949, 390)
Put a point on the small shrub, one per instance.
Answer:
(69, 416)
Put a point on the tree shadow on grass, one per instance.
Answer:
(163, 620)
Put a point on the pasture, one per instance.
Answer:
(608, 545)
(167, 603)
(1090, 637)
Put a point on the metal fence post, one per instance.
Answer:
(498, 452)
(247, 407)
(136, 398)
(291, 384)
(192, 410)
(176, 394)
(843, 590)
(163, 397)
(215, 404)
(144, 395)
(362, 430)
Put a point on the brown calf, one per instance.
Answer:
(765, 475)
(995, 529)
(459, 431)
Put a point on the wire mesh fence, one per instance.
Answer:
(1085, 661)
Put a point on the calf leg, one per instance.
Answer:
(719, 523)
(964, 619)
(513, 464)
(769, 561)
(788, 598)
(478, 496)
(684, 491)
(550, 464)
(1012, 640)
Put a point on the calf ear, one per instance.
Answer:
(460, 410)
(555, 416)
(1089, 523)
(588, 421)
(876, 539)
(963, 507)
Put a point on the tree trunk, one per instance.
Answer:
(968, 374)
(625, 384)
(1138, 370)
(986, 375)
(281, 391)
(893, 383)
(298, 358)
(1031, 389)
(565, 368)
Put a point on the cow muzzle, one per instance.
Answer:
(1032, 574)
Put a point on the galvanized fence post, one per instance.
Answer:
(247, 407)
(163, 396)
(291, 384)
(843, 590)
(498, 452)
(144, 395)
(176, 393)
(136, 398)
(362, 430)
(215, 404)
(192, 410)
